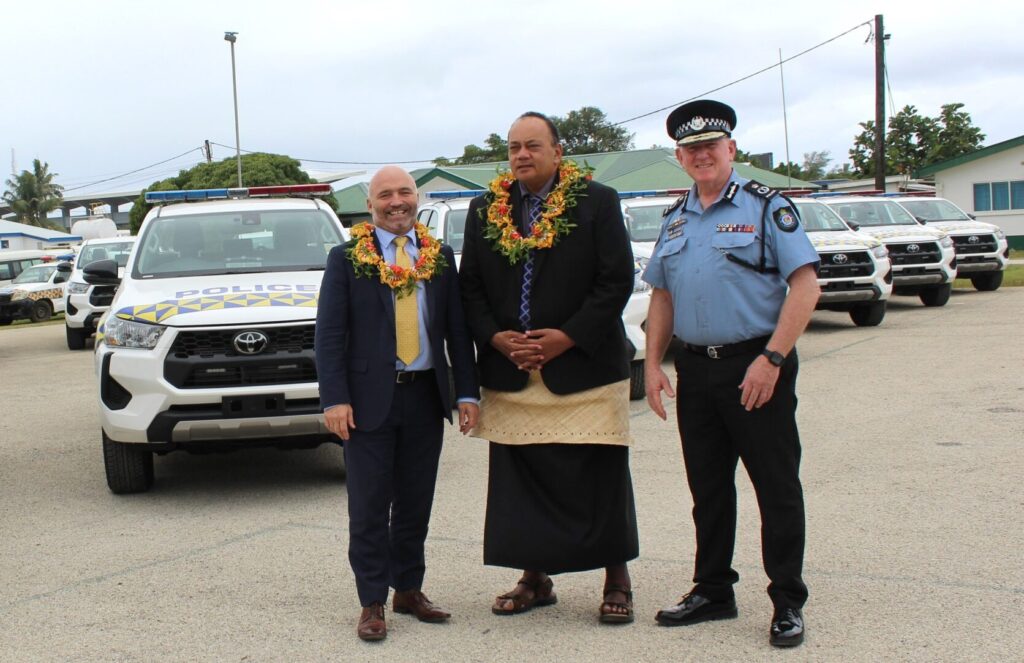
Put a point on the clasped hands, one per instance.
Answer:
(530, 350)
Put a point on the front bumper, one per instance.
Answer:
(139, 405)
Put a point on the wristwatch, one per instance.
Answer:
(774, 357)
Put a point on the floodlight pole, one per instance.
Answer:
(231, 36)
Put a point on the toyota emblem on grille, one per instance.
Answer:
(973, 239)
(840, 259)
(913, 248)
(250, 342)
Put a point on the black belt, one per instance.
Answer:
(405, 377)
(730, 349)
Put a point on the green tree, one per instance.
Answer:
(495, 149)
(913, 141)
(33, 194)
(587, 130)
(258, 169)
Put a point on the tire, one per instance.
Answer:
(868, 315)
(987, 281)
(76, 337)
(41, 311)
(129, 467)
(936, 295)
(636, 381)
(5, 321)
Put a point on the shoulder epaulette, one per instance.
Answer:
(760, 190)
(681, 200)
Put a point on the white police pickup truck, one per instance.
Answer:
(923, 259)
(445, 215)
(854, 274)
(208, 341)
(84, 304)
(34, 294)
(982, 252)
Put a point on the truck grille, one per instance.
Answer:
(208, 358)
(914, 253)
(981, 244)
(845, 264)
(102, 295)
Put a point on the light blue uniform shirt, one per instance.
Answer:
(423, 361)
(716, 301)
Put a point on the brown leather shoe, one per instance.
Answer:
(414, 601)
(371, 623)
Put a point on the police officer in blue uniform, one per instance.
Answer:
(735, 279)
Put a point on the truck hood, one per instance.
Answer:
(226, 299)
(908, 233)
(964, 227)
(844, 240)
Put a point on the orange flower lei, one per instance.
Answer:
(368, 262)
(503, 231)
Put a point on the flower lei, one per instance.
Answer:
(369, 263)
(553, 224)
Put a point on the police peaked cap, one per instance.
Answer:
(701, 120)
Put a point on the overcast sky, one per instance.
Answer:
(98, 89)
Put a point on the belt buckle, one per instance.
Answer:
(713, 351)
(404, 377)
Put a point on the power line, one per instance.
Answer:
(740, 80)
(346, 163)
(132, 172)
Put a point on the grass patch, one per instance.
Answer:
(1012, 277)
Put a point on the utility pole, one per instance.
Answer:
(232, 37)
(208, 151)
(880, 38)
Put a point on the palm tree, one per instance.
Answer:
(33, 194)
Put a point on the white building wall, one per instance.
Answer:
(957, 184)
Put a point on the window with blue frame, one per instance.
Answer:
(996, 196)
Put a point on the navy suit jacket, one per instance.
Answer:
(355, 339)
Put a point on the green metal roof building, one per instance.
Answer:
(624, 171)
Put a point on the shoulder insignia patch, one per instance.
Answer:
(760, 190)
(730, 193)
(681, 200)
(785, 219)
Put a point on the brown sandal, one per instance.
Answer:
(537, 595)
(608, 616)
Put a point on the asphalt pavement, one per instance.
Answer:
(912, 466)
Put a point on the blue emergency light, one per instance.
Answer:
(460, 193)
(234, 193)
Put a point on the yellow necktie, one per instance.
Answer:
(407, 327)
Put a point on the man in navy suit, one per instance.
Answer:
(383, 373)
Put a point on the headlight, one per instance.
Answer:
(19, 294)
(880, 251)
(122, 333)
(76, 288)
(946, 242)
(639, 265)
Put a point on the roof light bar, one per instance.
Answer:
(651, 192)
(244, 192)
(837, 194)
(459, 193)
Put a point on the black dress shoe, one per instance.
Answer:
(694, 608)
(787, 628)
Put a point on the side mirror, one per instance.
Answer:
(853, 224)
(101, 272)
(60, 277)
(65, 267)
(921, 220)
(972, 216)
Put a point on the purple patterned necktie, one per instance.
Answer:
(524, 301)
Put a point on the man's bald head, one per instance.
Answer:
(393, 200)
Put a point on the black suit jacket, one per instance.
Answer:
(355, 339)
(580, 286)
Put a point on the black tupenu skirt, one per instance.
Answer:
(558, 508)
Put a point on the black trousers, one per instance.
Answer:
(716, 432)
(391, 475)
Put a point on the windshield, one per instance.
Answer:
(818, 216)
(455, 229)
(934, 210)
(36, 274)
(236, 243)
(644, 223)
(117, 252)
(874, 213)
